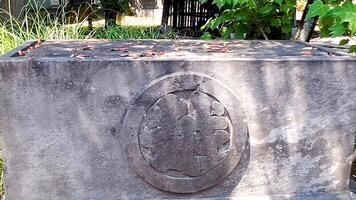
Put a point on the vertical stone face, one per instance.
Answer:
(191, 124)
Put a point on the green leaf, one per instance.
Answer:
(344, 41)
(352, 26)
(219, 3)
(337, 30)
(266, 9)
(252, 4)
(347, 13)
(276, 22)
(206, 36)
(227, 32)
(352, 49)
(279, 1)
(287, 28)
(325, 23)
(214, 23)
(317, 9)
(240, 31)
(234, 2)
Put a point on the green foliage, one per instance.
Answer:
(352, 49)
(337, 18)
(253, 18)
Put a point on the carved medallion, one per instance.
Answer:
(184, 133)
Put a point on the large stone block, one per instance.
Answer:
(177, 120)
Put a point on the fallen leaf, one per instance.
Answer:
(344, 42)
(36, 46)
(149, 53)
(22, 53)
(160, 53)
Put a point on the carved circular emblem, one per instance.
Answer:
(184, 133)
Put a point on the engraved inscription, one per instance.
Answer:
(185, 134)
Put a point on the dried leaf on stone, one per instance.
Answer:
(160, 53)
(37, 44)
(149, 53)
(22, 53)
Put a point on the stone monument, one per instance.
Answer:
(161, 119)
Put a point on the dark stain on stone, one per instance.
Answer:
(113, 131)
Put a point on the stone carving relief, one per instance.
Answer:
(184, 133)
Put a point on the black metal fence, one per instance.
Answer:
(187, 15)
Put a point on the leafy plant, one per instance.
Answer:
(336, 18)
(253, 18)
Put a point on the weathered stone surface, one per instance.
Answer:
(215, 120)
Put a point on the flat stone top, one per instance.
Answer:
(168, 49)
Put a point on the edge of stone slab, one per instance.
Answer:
(336, 55)
(22, 47)
(325, 49)
(322, 196)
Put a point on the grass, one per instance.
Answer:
(40, 24)
(132, 32)
(37, 24)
